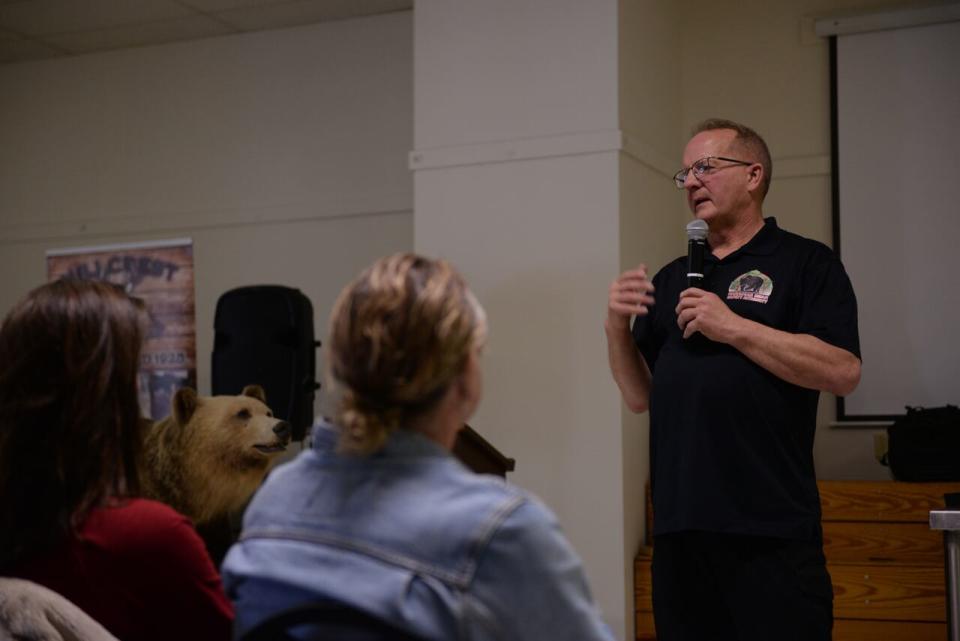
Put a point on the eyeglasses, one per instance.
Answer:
(701, 168)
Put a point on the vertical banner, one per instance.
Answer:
(161, 274)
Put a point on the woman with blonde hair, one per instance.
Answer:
(71, 441)
(378, 515)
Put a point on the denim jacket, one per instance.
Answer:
(413, 537)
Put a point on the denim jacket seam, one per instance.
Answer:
(460, 578)
(490, 526)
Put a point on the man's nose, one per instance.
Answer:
(691, 181)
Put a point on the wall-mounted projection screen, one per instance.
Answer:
(897, 212)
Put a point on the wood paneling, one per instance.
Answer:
(890, 543)
(887, 631)
(642, 584)
(645, 629)
(889, 593)
(889, 501)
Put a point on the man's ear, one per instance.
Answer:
(184, 404)
(755, 178)
(255, 391)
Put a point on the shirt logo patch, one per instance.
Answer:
(753, 286)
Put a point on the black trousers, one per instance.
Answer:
(725, 587)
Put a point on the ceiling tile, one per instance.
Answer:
(337, 7)
(31, 29)
(14, 49)
(222, 5)
(139, 35)
(263, 14)
(41, 17)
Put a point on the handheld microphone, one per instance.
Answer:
(696, 244)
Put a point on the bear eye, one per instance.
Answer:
(269, 414)
(244, 414)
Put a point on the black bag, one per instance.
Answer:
(924, 444)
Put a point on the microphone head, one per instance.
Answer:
(697, 230)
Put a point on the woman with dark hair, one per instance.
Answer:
(378, 515)
(71, 440)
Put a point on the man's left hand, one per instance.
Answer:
(704, 312)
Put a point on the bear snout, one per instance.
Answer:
(283, 431)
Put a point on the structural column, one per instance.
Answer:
(518, 166)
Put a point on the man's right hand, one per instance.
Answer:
(630, 295)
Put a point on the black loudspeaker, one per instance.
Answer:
(264, 335)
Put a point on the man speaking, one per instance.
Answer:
(731, 371)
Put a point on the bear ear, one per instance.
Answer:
(255, 391)
(184, 405)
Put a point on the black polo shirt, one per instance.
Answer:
(731, 445)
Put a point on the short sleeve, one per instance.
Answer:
(828, 305)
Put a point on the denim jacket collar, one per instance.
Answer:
(401, 443)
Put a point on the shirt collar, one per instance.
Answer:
(763, 243)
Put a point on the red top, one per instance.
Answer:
(142, 571)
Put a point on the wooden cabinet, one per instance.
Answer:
(644, 594)
(885, 562)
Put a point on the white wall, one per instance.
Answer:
(283, 154)
(519, 70)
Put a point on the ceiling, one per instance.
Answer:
(40, 29)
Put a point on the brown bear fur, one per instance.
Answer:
(209, 456)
